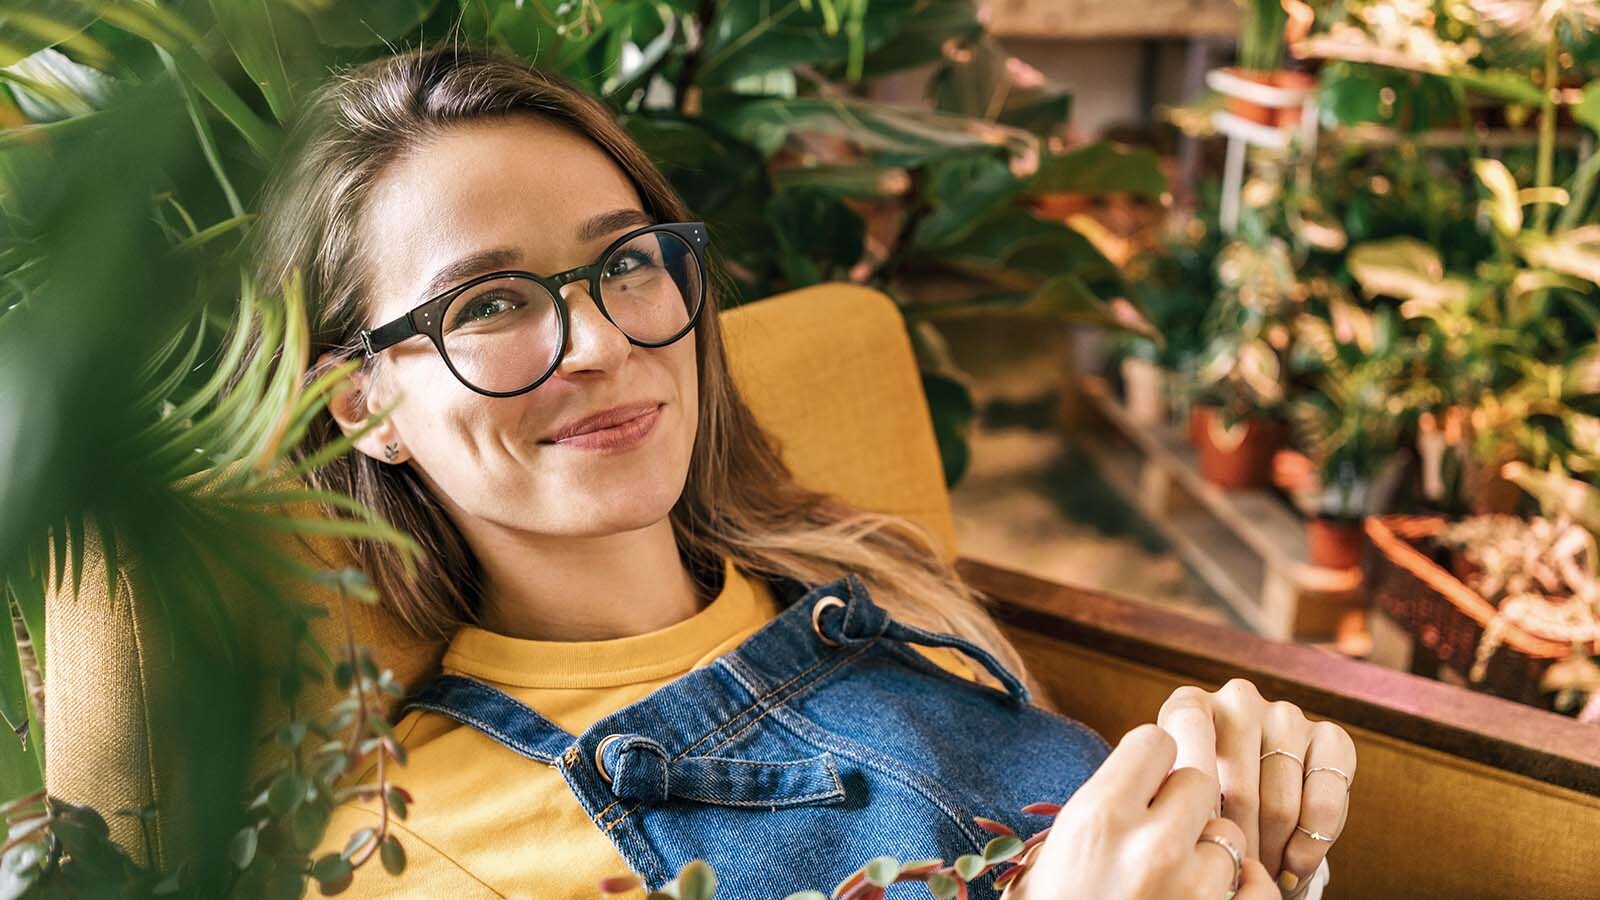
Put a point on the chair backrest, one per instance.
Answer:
(828, 371)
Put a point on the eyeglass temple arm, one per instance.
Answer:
(387, 335)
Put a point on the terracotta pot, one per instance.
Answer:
(1335, 543)
(1240, 458)
(1247, 109)
(1197, 426)
(1289, 117)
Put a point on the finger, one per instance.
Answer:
(1285, 728)
(1211, 869)
(1134, 771)
(1185, 802)
(1186, 715)
(1325, 799)
(1237, 710)
(1256, 884)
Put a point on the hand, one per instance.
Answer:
(1274, 799)
(1132, 832)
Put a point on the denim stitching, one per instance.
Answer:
(867, 756)
(481, 725)
(630, 810)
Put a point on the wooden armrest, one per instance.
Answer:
(1456, 794)
(1509, 736)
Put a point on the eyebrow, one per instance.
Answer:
(503, 257)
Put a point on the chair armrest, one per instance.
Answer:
(1456, 794)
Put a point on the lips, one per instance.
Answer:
(606, 418)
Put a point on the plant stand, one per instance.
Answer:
(1247, 546)
(1243, 133)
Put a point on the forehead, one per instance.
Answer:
(519, 182)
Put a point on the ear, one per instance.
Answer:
(354, 402)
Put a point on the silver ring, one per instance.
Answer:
(1314, 835)
(1238, 859)
(816, 617)
(1283, 753)
(599, 751)
(1335, 770)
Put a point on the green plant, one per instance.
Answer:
(1261, 39)
(1349, 421)
(135, 136)
(1006, 852)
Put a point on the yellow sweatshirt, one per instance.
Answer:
(487, 822)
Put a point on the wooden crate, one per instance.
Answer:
(1249, 547)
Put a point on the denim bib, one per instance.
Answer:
(821, 741)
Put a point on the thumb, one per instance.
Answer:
(1255, 883)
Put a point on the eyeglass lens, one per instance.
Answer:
(504, 334)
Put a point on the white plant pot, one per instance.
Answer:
(1146, 387)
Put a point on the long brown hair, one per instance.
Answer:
(740, 501)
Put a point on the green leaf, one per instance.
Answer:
(358, 839)
(883, 870)
(1002, 848)
(1587, 110)
(286, 793)
(1100, 168)
(749, 37)
(369, 23)
(274, 44)
(969, 866)
(942, 886)
(331, 867)
(243, 849)
(393, 855)
(696, 881)
(1505, 208)
(396, 799)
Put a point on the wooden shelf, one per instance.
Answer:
(1103, 19)
(1247, 546)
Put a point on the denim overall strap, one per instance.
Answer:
(641, 770)
(493, 712)
(854, 619)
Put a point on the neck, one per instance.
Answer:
(584, 589)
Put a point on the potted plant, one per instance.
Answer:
(1503, 599)
(1239, 392)
(1348, 426)
(1259, 89)
(1175, 286)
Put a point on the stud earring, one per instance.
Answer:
(391, 452)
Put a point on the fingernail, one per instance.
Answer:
(1288, 880)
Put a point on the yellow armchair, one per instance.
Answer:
(1448, 801)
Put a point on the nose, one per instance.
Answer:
(593, 342)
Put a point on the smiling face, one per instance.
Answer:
(555, 201)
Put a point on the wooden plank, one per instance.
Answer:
(1101, 19)
(1257, 517)
(1232, 573)
(1511, 736)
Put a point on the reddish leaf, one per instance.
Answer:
(994, 827)
(1006, 877)
(919, 867)
(851, 881)
(619, 884)
(1042, 809)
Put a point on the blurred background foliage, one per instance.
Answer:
(135, 139)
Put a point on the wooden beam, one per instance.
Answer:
(1511, 736)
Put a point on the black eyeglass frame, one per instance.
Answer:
(427, 318)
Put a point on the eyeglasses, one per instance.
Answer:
(503, 333)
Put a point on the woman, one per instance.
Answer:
(661, 647)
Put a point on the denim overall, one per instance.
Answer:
(819, 742)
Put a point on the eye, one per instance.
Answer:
(484, 307)
(628, 260)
